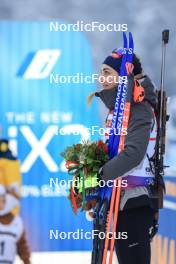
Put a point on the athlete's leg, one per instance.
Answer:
(136, 248)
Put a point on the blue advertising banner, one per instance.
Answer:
(36, 103)
(164, 244)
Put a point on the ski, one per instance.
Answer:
(102, 208)
(118, 112)
(102, 211)
(115, 199)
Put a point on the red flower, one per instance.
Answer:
(105, 148)
(78, 146)
(102, 145)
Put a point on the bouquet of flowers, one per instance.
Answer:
(83, 162)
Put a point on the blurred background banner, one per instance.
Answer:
(164, 244)
(35, 106)
(33, 110)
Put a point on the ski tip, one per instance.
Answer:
(125, 42)
(124, 36)
(131, 39)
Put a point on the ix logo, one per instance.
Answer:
(38, 146)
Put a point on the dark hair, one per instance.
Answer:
(137, 65)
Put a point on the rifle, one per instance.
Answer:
(162, 117)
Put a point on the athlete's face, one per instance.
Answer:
(2, 202)
(108, 77)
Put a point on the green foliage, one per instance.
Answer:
(92, 155)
